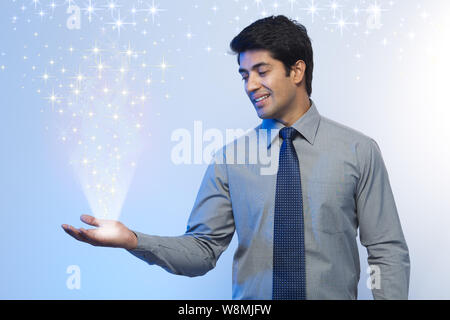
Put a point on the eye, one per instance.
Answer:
(244, 78)
(262, 73)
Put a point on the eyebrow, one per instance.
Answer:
(256, 66)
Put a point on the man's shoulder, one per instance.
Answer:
(363, 146)
(334, 129)
(236, 140)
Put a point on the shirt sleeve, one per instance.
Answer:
(209, 231)
(380, 229)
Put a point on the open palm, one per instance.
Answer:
(109, 233)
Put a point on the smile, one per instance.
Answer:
(262, 98)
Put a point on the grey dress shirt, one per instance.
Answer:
(345, 186)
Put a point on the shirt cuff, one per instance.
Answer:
(147, 247)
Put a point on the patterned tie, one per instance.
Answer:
(289, 275)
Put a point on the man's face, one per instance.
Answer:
(265, 78)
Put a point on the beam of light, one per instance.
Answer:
(103, 127)
(104, 161)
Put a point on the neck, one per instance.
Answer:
(296, 112)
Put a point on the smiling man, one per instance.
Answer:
(273, 89)
(296, 228)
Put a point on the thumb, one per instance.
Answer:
(90, 220)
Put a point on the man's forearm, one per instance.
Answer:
(183, 255)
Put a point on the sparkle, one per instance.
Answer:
(425, 15)
(112, 5)
(53, 6)
(90, 10)
(342, 24)
(45, 76)
(80, 77)
(119, 23)
(36, 2)
(53, 98)
(41, 13)
(334, 6)
(312, 10)
(153, 10)
(129, 52)
(374, 11)
(95, 50)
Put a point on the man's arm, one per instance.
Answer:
(209, 231)
(380, 229)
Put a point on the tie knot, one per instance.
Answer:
(288, 133)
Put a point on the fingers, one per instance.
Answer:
(90, 220)
(80, 235)
(89, 235)
(73, 232)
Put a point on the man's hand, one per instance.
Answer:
(109, 233)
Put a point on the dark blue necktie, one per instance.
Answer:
(289, 274)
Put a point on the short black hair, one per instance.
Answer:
(285, 39)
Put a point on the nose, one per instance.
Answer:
(253, 84)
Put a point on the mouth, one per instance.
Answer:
(261, 100)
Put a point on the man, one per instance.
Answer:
(296, 226)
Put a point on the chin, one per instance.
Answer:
(264, 114)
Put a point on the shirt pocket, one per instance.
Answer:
(330, 204)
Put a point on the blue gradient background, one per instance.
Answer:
(395, 93)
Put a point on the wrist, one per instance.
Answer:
(133, 242)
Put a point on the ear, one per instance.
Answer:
(299, 69)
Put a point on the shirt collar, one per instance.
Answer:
(307, 125)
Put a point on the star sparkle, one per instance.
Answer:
(90, 10)
(152, 10)
(312, 10)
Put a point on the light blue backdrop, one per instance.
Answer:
(381, 71)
